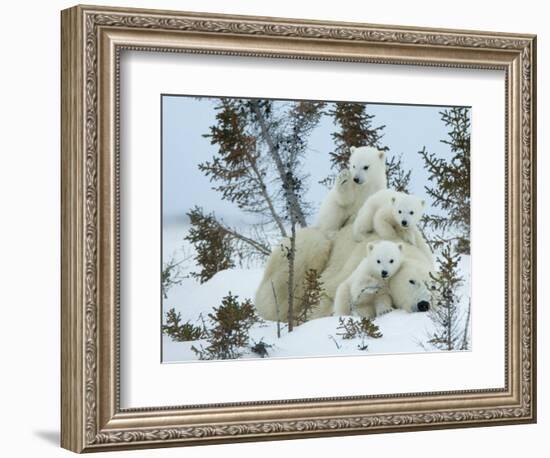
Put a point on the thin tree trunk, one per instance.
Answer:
(291, 197)
(449, 329)
(291, 277)
(277, 311)
(267, 198)
(464, 345)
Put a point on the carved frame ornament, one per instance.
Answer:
(92, 40)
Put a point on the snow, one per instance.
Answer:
(402, 332)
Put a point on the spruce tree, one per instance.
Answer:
(355, 128)
(399, 179)
(302, 118)
(311, 296)
(358, 328)
(258, 166)
(228, 332)
(213, 244)
(261, 147)
(181, 332)
(238, 169)
(172, 274)
(260, 143)
(449, 188)
(445, 314)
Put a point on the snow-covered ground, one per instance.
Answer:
(402, 332)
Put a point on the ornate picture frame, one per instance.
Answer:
(93, 39)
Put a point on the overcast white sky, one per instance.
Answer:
(185, 119)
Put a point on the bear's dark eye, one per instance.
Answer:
(391, 261)
(399, 211)
(433, 287)
(378, 261)
(412, 282)
(352, 166)
(412, 213)
(366, 167)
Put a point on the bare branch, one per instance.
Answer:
(259, 247)
(215, 244)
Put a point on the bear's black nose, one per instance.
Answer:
(404, 223)
(356, 180)
(423, 306)
(384, 273)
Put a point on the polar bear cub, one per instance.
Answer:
(365, 175)
(365, 291)
(390, 214)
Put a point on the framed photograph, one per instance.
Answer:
(277, 228)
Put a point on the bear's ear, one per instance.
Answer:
(381, 154)
(423, 202)
(352, 149)
(370, 247)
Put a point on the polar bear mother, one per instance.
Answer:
(408, 287)
(365, 175)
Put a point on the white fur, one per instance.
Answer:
(330, 248)
(365, 291)
(366, 174)
(411, 285)
(347, 254)
(392, 214)
(337, 259)
(312, 252)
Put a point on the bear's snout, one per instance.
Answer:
(384, 273)
(357, 180)
(423, 306)
(404, 223)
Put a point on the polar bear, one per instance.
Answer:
(366, 174)
(312, 252)
(365, 291)
(392, 214)
(411, 287)
(337, 259)
(346, 254)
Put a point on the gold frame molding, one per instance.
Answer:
(92, 40)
